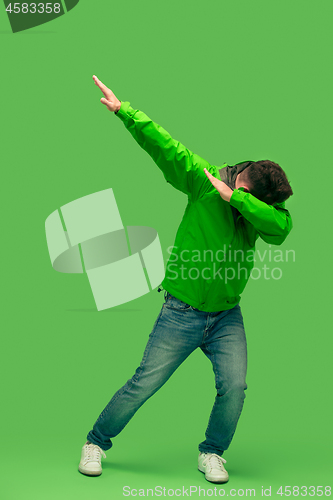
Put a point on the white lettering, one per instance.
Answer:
(226, 274)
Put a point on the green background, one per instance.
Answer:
(232, 81)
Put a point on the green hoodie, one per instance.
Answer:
(213, 254)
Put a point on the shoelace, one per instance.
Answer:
(214, 460)
(94, 452)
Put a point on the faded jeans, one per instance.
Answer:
(178, 330)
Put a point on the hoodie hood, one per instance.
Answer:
(228, 174)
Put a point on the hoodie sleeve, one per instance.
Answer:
(181, 168)
(272, 222)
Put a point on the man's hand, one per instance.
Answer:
(222, 188)
(109, 99)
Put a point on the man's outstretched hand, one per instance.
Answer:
(109, 99)
(222, 188)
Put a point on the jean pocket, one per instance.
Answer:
(172, 302)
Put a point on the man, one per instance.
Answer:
(228, 209)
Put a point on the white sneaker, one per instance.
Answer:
(212, 465)
(90, 463)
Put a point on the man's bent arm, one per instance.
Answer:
(181, 168)
(273, 223)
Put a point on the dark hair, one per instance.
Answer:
(267, 181)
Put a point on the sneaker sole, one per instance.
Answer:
(219, 481)
(88, 472)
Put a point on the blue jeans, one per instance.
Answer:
(178, 330)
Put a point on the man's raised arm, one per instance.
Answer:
(183, 169)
